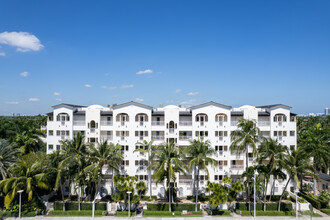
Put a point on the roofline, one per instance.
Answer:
(274, 105)
(133, 103)
(211, 103)
(69, 105)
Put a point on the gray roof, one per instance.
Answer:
(132, 103)
(263, 114)
(158, 113)
(49, 113)
(185, 113)
(237, 113)
(324, 176)
(211, 103)
(67, 105)
(272, 106)
(79, 112)
(106, 113)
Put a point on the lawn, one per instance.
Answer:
(267, 213)
(147, 213)
(74, 213)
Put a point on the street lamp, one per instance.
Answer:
(20, 201)
(254, 196)
(129, 203)
(296, 191)
(93, 207)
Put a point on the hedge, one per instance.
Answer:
(83, 206)
(218, 212)
(267, 213)
(147, 198)
(147, 213)
(315, 203)
(174, 206)
(273, 206)
(326, 211)
(75, 213)
(124, 213)
(15, 214)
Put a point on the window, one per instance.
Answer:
(50, 132)
(58, 133)
(127, 162)
(136, 163)
(292, 147)
(284, 133)
(275, 133)
(67, 133)
(292, 133)
(50, 147)
(58, 147)
(292, 118)
(276, 189)
(215, 177)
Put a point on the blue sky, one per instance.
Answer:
(233, 52)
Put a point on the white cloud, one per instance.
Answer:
(24, 74)
(139, 100)
(56, 93)
(12, 103)
(88, 86)
(147, 71)
(2, 54)
(127, 86)
(34, 99)
(189, 102)
(103, 87)
(112, 87)
(24, 41)
(177, 91)
(193, 93)
(58, 100)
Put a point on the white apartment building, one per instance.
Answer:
(132, 122)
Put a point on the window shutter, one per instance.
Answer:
(226, 133)
(127, 162)
(136, 163)
(216, 148)
(225, 162)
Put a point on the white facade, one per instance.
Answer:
(130, 123)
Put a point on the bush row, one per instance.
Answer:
(75, 213)
(267, 213)
(273, 206)
(83, 206)
(124, 213)
(15, 214)
(147, 198)
(326, 211)
(147, 213)
(174, 206)
(315, 203)
(218, 212)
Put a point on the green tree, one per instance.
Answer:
(125, 184)
(199, 156)
(141, 189)
(218, 194)
(246, 135)
(8, 155)
(148, 149)
(168, 162)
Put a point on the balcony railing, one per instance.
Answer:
(185, 181)
(79, 123)
(263, 123)
(220, 138)
(171, 130)
(250, 159)
(236, 167)
(184, 138)
(233, 123)
(158, 137)
(185, 123)
(106, 123)
(157, 123)
(106, 137)
(92, 130)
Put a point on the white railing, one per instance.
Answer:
(263, 123)
(159, 123)
(92, 130)
(122, 123)
(106, 137)
(157, 137)
(171, 130)
(220, 138)
(221, 123)
(185, 181)
(106, 123)
(279, 123)
(62, 122)
(122, 138)
(250, 159)
(220, 167)
(185, 123)
(236, 167)
(79, 123)
(279, 138)
(141, 138)
(183, 138)
(233, 123)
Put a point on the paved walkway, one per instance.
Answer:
(173, 218)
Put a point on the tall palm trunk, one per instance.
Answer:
(169, 192)
(286, 185)
(272, 190)
(197, 188)
(247, 177)
(265, 193)
(149, 179)
(62, 192)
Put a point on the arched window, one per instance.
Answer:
(122, 117)
(62, 117)
(279, 118)
(141, 117)
(201, 117)
(221, 117)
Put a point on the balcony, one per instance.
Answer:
(185, 123)
(92, 130)
(158, 137)
(250, 159)
(233, 123)
(185, 181)
(185, 138)
(79, 123)
(171, 130)
(106, 123)
(107, 137)
(237, 167)
(220, 138)
(263, 123)
(157, 123)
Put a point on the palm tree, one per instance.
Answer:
(8, 155)
(141, 188)
(149, 149)
(168, 162)
(29, 141)
(295, 161)
(271, 153)
(246, 135)
(28, 174)
(124, 184)
(74, 152)
(316, 144)
(198, 154)
(99, 157)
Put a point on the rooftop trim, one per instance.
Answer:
(211, 103)
(132, 103)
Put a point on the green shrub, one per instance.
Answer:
(174, 207)
(75, 213)
(326, 211)
(315, 203)
(15, 214)
(147, 198)
(124, 213)
(147, 213)
(272, 206)
(218, 212)
(309, 213)
(83, 206)
(266, 213)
